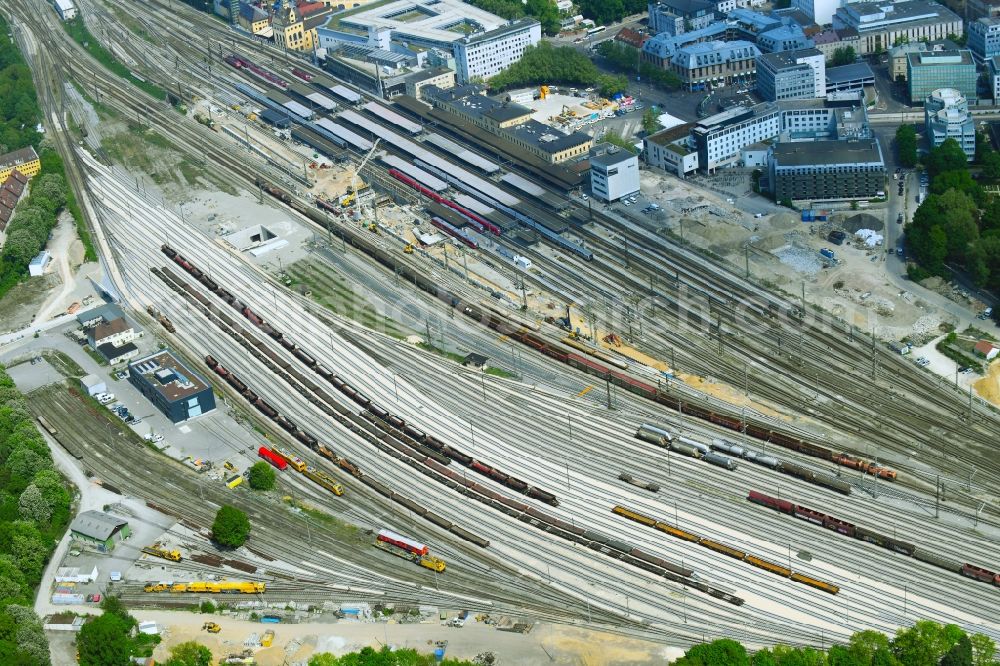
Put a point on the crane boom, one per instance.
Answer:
(354, 178)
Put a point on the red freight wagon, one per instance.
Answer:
(272, 457)
(400, 541)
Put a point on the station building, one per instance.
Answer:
(176, 391)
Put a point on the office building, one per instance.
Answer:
(614, 172)
(789, 37)
(659, 49)
(255, 20)
(748, 24)
(486, 54)
(993, 68)
(671, 150)
(976, 9)
(836, 117)
(173, 388)
(719, 139)
(115, 332)
(984, 38)
(439, 77)
(715, 63)
(946, 116)
(675, 17)
(295, 24)
(820, 11)
(928, 71)
(826, 170)
(791, 75)
(881, 26)
(65, 8)
(24, 160)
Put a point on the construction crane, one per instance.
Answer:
(354, 178)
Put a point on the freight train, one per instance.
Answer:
(662, 438)
(854, 531)
(209, 587)
(726, 550)
(401, 546)
(760, 431)
(413, 447)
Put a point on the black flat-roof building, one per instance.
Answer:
(826, 170)
(170, 385)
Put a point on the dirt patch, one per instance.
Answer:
(19, 305)
(855, 223)
(989, 386)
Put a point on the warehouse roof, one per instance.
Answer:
(107, 312)
(168, 376)
(111, 352)
(820, 153)
(108, 328)
(97, 525)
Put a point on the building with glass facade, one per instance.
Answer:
(984, 38)
(946, 116)
(791, 75)
(826, 170)
(931, 70)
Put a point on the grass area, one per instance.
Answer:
(94, 354)
(63, 363)
(500, 372)
(104, 112)
(457, 358)
(333, 293)
(130, 22)
(135, 148)
(978, 334)
(78, 31)
(345, 532)
(949, 347)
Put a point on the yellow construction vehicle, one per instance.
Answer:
(373, 228)
(229, 466)
(347, 200)
(156, 587)
(211, 627)
(267, 639)
(155, 549)
(408, 249)
(201, 587)
(543, 92)
(432, 563)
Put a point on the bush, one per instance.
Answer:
(231, 527)
(262, 476)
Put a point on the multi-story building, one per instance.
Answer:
(898, 58)
(791, 75)
(826, 170)
(115, 332)
(927, 71)
(828, 41)
(856, 76)
(255, 20)
(976, 9)
(676, 17)
(24, 160)
(295, 25)
(173, 388)
(614, 172)
(880, 25)
(715, 63)
(509, 121)
(748, 24)
(672, 150)
(984, 38)
(836, 117)
(993, 67)
(486, 54)
(719, 139)
(660, 49)
(946, 116)
(789, 37)
(439, 77)
(820, 11)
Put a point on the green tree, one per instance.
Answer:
(650, 122)
(12, 583)
(983, 650)
(949, 156)
(104, 641)
(33, 506)
(763, 658)
(960, 653)
(231, 527)
(924, 643)
(261, 476)
(841, 655)
(30, 637)
(844, 55)
(546, 13)
(189, 653)
(906, 145)
(723, 652)
(545, 63)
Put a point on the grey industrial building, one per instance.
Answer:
(826, 170)
(175, 390)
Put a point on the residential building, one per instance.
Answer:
(789, 37)
(986, 349)
(174, 389)
(826, 170)
(993, 67)
(37, 266)
(828, 41)
(255, 20)
(984, 38)
(675, 17)
(715, 63)
(114, 332)
(928, 71)
(115, 354)
(671, 150)
(880, 25)
(820, 11)
(719, 139)
(24, 160)
(946, 116)
(484, 55)
(659, 49)
(614, 172)
(849, 77)
(102, 313)
(632, 38)
(65, 8)
(791, 75)
(439, 77)
(100, 530)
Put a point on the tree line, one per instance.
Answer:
(626, 58)
(551, 65)
(543, 10)
(958, 223)
(387, 657)
(34, 514)
(19, 112)
(926, 643)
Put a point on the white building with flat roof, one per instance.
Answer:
(65, 8)
(614, 173)
(486, 54)
(946, 116)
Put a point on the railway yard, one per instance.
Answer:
(735, 462)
